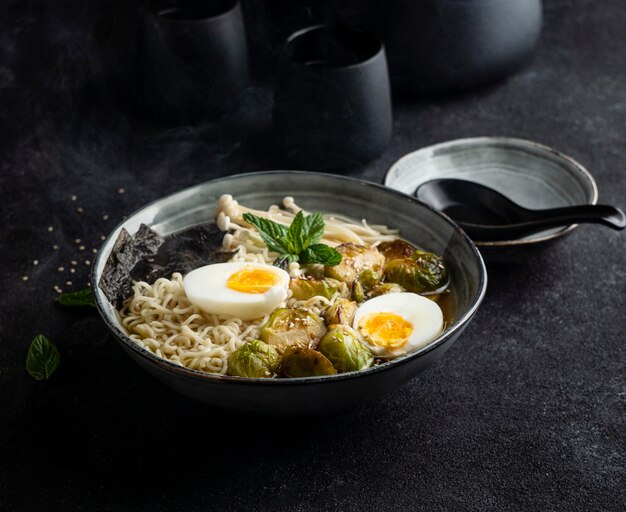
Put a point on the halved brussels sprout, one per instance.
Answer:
(254, 359)
(355, 259)
(313, 270)
(363, 284)
(342, 347)
(423, 272)
(358, 292)
(305, 362)
(340, 312)
(293, 327)
(303, 289)
(396, 249)
(385, 288)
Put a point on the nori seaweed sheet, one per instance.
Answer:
(148, 256)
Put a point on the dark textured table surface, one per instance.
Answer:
(526, 412)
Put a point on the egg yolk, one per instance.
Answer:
(252, 280)
(386, 330)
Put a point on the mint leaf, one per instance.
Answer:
(272, 233)
(304, 231)
(42, 358)
(313, 229)
(82, 297)
(295, 235)
(320, 253)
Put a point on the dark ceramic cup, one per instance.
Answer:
(332, 105)
(435, 46)
(193, 59)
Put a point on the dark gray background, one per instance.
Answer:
(526, 412)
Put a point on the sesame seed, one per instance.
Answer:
(57, 289)
(55, 247)
(35, 262)
(50, 228)
(74, 262)
(105, 217)
(80, 209)
(102, 237)
(61, 269)
(77, 241)
(81, 247)
(24, 278)
(68, 283)
(120, 190)
(73, 198)
(95, 251)
(72, 270)
(87, 262)
(88, 284)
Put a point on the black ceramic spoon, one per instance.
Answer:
(488, 216)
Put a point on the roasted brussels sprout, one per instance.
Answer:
(293, 327)
(396, 249)
(342, 347)
(369, 279)
(305, 362)
(364, 283)
(385, 288)
(254, 359)
(303, 289)
(355, 259)
(421, 273)
(341, 312)
(358, 292)
(313, 271)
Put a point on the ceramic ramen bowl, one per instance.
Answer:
(417, 223)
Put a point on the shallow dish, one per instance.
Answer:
(531, 174)
(315, 192)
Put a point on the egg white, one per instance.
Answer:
(206, 288)
(424, 314)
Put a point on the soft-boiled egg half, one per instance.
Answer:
(241, 289)
(397, 323)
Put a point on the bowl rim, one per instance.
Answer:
(492, 141)
(169, 366)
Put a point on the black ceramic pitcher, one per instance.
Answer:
(439, 45)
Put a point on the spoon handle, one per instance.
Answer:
(587, 213)
(538, 220)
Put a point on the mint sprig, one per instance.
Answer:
(299, 242)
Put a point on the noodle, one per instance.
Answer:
(161, 319)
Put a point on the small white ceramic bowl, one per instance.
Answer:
(531, 174)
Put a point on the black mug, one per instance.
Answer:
(332, 104)
(193, 58)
